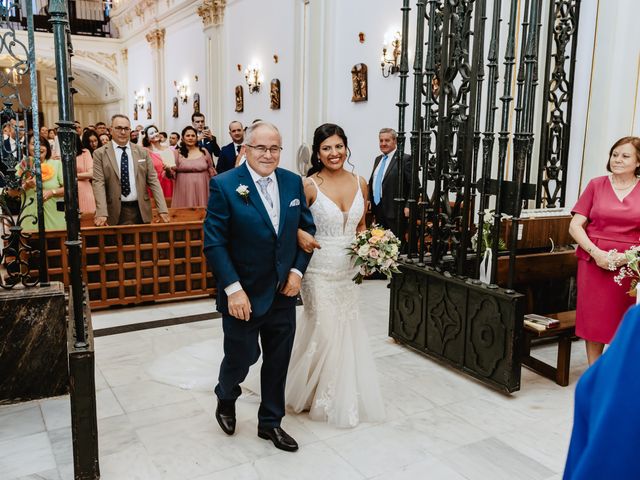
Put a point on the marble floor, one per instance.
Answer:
(439, 425)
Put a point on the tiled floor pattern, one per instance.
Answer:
(440, 424)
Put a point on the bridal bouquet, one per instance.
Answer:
(375, 250)
(630, 270)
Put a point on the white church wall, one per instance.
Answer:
(363, 120)
(184, 60)
(140, 77)
(253, 33)
(613, 89)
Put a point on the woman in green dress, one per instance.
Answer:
(52, 189)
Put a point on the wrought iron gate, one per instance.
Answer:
(21, 177)
(460, 87)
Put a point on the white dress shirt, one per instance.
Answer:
(273, 211)
(133, 196)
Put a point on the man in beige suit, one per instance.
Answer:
(122, 171)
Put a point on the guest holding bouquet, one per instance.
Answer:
(52, 188)
(606, 222)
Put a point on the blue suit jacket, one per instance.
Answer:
(227, 159)
(606, 423)
(241, 244)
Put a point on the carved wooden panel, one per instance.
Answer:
(467, 325)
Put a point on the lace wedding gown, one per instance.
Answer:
(332, 373)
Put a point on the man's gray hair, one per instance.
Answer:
(391, 131)
(234, 121)
(119, 115)
(248, 136)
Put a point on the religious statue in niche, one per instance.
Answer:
(239, 99)
(359, 83)
(175, 113)
(196, 103)
(135, 111)
(149, 116)
(275, 94)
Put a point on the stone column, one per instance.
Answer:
(156, 41)
(212, 14)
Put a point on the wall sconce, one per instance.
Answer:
(391, 50)
(254, 78)
(140, 98)
(182, 90)
(13, 76)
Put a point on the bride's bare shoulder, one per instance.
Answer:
(363, 183)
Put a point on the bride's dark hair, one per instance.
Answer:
(323, 132)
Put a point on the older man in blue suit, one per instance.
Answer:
(253, 217)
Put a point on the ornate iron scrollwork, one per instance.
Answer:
(18, 255)
(558, 93)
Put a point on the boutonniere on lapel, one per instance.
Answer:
(243, 191)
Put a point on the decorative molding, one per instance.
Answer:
(108, 61)
(124, 53)
(212, 12)
(156, 38)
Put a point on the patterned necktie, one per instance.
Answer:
(377, 182)
(125, 186)
(263, 183)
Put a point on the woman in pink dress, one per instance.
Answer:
(606, 222)
(163, 159)
(84, 167)
(193, 171)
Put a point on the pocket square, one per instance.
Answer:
(294, 203)
(142, 160)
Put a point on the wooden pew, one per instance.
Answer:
(132, 264)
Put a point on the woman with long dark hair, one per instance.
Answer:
(84, 169)
(332, 373)
(193, 170)
(90, 141)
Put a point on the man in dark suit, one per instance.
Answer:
(383, 182)
(206, 139)
(253, 217)
(229, 152)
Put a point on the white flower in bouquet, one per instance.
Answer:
(363, 251)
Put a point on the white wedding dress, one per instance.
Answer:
(332, 373)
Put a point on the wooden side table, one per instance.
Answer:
(564, 333)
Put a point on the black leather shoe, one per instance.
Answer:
(279, 437)
(226, 416)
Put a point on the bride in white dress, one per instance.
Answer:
(332, 373)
